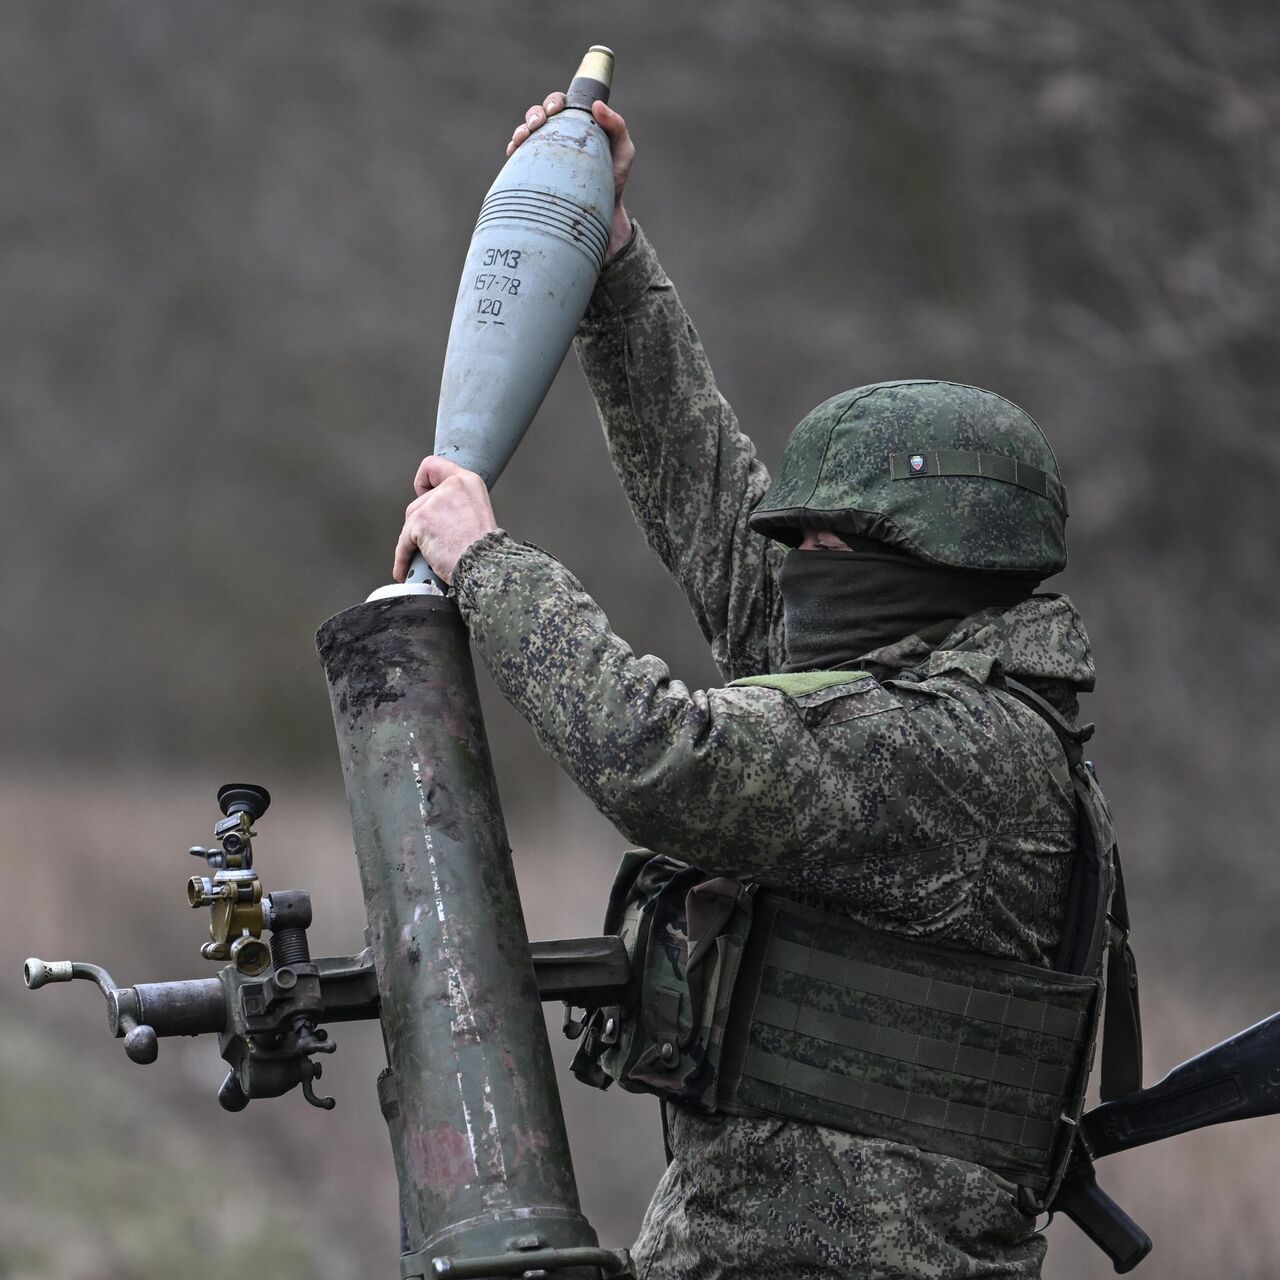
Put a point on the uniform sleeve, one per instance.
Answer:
(691, 477)
(732, 779)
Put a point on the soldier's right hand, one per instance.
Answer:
(624, 154)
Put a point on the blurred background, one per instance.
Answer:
(230, 237)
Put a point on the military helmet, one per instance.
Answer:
(952, 474)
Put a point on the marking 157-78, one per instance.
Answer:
(492, 282)
(497, 285)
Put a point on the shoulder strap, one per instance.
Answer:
(1122, 1024)
(1072, 740)
(1089, 910)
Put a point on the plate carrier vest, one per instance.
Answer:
(746, 1001)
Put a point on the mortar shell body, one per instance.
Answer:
(538, 246)
(539, 243)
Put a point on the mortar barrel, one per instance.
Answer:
(483, 1143)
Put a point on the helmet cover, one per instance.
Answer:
(952, 474)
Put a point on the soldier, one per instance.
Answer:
(865, 772)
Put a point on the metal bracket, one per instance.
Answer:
(527, 1263)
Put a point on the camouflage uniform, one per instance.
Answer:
(923, 801)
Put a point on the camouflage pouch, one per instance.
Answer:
(684, 933)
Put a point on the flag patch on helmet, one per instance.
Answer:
(918, 464)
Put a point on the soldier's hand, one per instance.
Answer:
(624, 154)
(451, 511)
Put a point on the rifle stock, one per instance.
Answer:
(1235, 1080)
(1238, 1079)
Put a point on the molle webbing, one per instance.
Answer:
(952, 1052)
(988, 466)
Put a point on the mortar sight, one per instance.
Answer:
(243, 797)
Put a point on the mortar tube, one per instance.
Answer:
(483, 1146)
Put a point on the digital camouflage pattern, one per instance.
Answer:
(772, 1198)
(894, 460)
(676, 447)
(923, 801)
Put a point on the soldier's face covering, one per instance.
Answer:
(838, 605)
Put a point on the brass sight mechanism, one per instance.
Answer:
(238, 913)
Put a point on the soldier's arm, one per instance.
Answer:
(690, 476)
(736, 780)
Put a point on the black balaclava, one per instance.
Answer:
(839, 605)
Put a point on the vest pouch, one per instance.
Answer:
(684, 934)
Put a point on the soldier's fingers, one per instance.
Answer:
(610, 121)
(534, 118)
(520, 134)
(436, 470)
(405, 547)
(421, 480)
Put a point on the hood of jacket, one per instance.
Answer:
(1041, 642)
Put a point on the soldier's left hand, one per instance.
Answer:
(451, 511)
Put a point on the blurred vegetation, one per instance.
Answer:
(229, 244)
(113, 1205)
